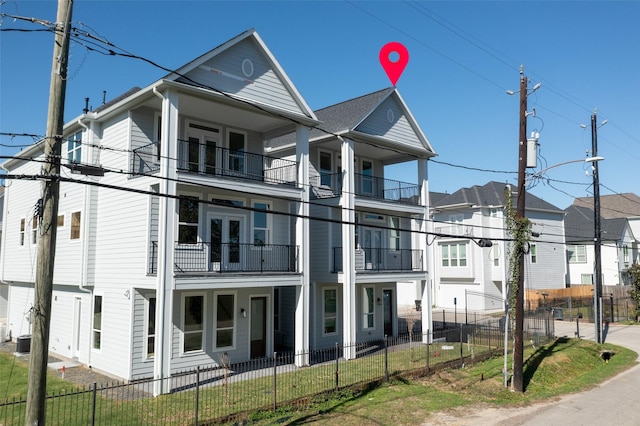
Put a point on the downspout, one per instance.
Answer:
(4, 233)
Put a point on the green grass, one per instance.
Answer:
(561, 367)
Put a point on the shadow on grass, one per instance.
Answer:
(534, 361)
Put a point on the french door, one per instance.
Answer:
(226, 238)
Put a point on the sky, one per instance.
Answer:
(463, 58)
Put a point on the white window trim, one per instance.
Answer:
(320, 169)
(324, 313)
(200, 213)
(235, 320)
(76, 148)
(33, 232)
(204, 323)
(458, 258)
(238, 131)
(147, 307)
(577, 256)
(201, 135)
(495, 256)
(365, 312)
(22, 231)
(533, 253)
(269, 228)
(93, 330)
(392, 229)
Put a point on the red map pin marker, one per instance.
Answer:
(394, 69)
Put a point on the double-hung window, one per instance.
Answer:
(74, 148)
(533, 252)
(188, 218)
(261, 224)
(329, 311)
(577, 253)
(75, 226)
(454, 255)
(34, 230)
(368, 304)
(225, 321)
(23, 225)
(97, 322)
(193, 323)
(151, 327)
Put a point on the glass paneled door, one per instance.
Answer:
(226, 236)
(372, 244)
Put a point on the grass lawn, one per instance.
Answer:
(561, 367)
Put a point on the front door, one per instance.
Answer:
(388, 312)
(225, 236)
(258, 327)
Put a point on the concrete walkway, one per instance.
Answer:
(614, 402)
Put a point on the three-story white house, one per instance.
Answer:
(189, 245)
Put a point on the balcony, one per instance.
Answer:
(229, 258)
(330, 185)
(216, 161)
(381, 260)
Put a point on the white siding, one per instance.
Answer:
(399, 130)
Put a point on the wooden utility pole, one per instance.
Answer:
(597, 238)
(518, 347)
(41, 314)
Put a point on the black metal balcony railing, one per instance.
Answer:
(204, 159)
(213, 160)
(330, 185)
(381, 259)
(229, 257)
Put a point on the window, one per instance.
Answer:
(577, 254)
(34, 230)
(193, 328)
(75, 225)
(158, 136)
(367, 177)
(151, 327)
(326, 168)
(97, 322)
(456, 220)
(225, 320)
(394, 233)
(23, 224)
(60, 221)
(236, 151)
(496, 255)
(188, 218)
(494, 213)
(625, 253)
(74, 148)
(368, 304)
(454, 255)
(329, 309)
(586, 279)
(261, 219)
(533, 252)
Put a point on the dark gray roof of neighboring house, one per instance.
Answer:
(579, 225)
(614, 205)
(339, 118)
(491, 194)
(434, 197)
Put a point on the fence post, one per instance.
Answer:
(337, 364)
(461, 356)
(93, 404)
(490, 330)
(386, 359)
(197, 394)
(428, 344)
(275, 370)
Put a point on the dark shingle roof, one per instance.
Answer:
(491, 194)
(579, 226)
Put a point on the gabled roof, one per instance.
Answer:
(491, 194)
(579, 225)
(613, 206)
(381, 116)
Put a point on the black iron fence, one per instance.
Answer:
(233, 391)
(326, 185)
(381, 259)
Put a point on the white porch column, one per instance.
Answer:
(347, 202)
(167, 233)
(302, 241)
(427, 297)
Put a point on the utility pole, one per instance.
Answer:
(37, 388)
(518, 347)
(597, 238)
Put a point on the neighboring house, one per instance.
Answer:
(619, 238)
(467, 275)
(4, 287)
(194, 243)
(367, 232)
